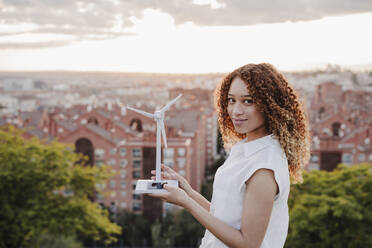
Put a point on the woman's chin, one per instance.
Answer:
(240, 130)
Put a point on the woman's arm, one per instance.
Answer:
(200, 199)
(258, 202)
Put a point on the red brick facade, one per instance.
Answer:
(341, 124)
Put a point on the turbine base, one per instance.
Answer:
(151, 186)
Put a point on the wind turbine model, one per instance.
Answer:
(150, 186)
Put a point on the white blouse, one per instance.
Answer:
(229, 187)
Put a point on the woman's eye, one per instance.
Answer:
(248, 101)
(230, 100)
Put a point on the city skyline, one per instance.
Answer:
(199, 36)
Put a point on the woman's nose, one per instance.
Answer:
(238, 108)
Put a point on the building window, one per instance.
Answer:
(113, 194)
(113, 151)
(98, 186)
(181, 152)
(99, 153)
(136, 164)
(370, 157)
(181, 162)
(336, 129)
(123, 163)
(168, 153)
(313, 166)
(322, 109)
(361, 157)
(136, 206)
(123, 151)
(168, 162)
(123, 204)
(112, 184)
(99, 196)
(123, 185)
(136, 197)
(347, 158)
(93, 120)
(123, 193)
(111, 162)
(100, 162)
(136, 174)
(314, 158)
(136, 152)
(136, 125)
(123, 173)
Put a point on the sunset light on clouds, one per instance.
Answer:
(182, 36)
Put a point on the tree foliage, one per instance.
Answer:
(33, 179)
(332, 209)
(178, 229)
(187, 231)
(49, 241)
(136, 229)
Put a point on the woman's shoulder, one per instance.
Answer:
(266, 147)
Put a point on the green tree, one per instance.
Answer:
(161, 233)
(49, 241)
(332, 209)
(33, 177)
(136, 229)
(179, 229)
(187, 230)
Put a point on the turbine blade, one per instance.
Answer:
(166, 107)
(141, 112)
(163, 134)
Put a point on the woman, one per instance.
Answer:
(263, 123)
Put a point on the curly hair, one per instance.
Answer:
(284, 114)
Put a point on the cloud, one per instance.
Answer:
(107, 19)
(251, 12)
(30, 45)
(85, 20)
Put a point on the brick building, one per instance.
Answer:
(341, 124)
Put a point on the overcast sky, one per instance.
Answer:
(182, 35)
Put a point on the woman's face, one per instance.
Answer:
(243, 111)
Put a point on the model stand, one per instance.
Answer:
(151, 186)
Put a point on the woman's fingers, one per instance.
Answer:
(171, 172)
(166, 168)
(164, 175)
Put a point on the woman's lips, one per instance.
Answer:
(239, 121)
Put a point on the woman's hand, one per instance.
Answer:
(169, 174)
(173, 195)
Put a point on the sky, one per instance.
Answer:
(183, 36)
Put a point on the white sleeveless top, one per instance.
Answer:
(229, 187)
